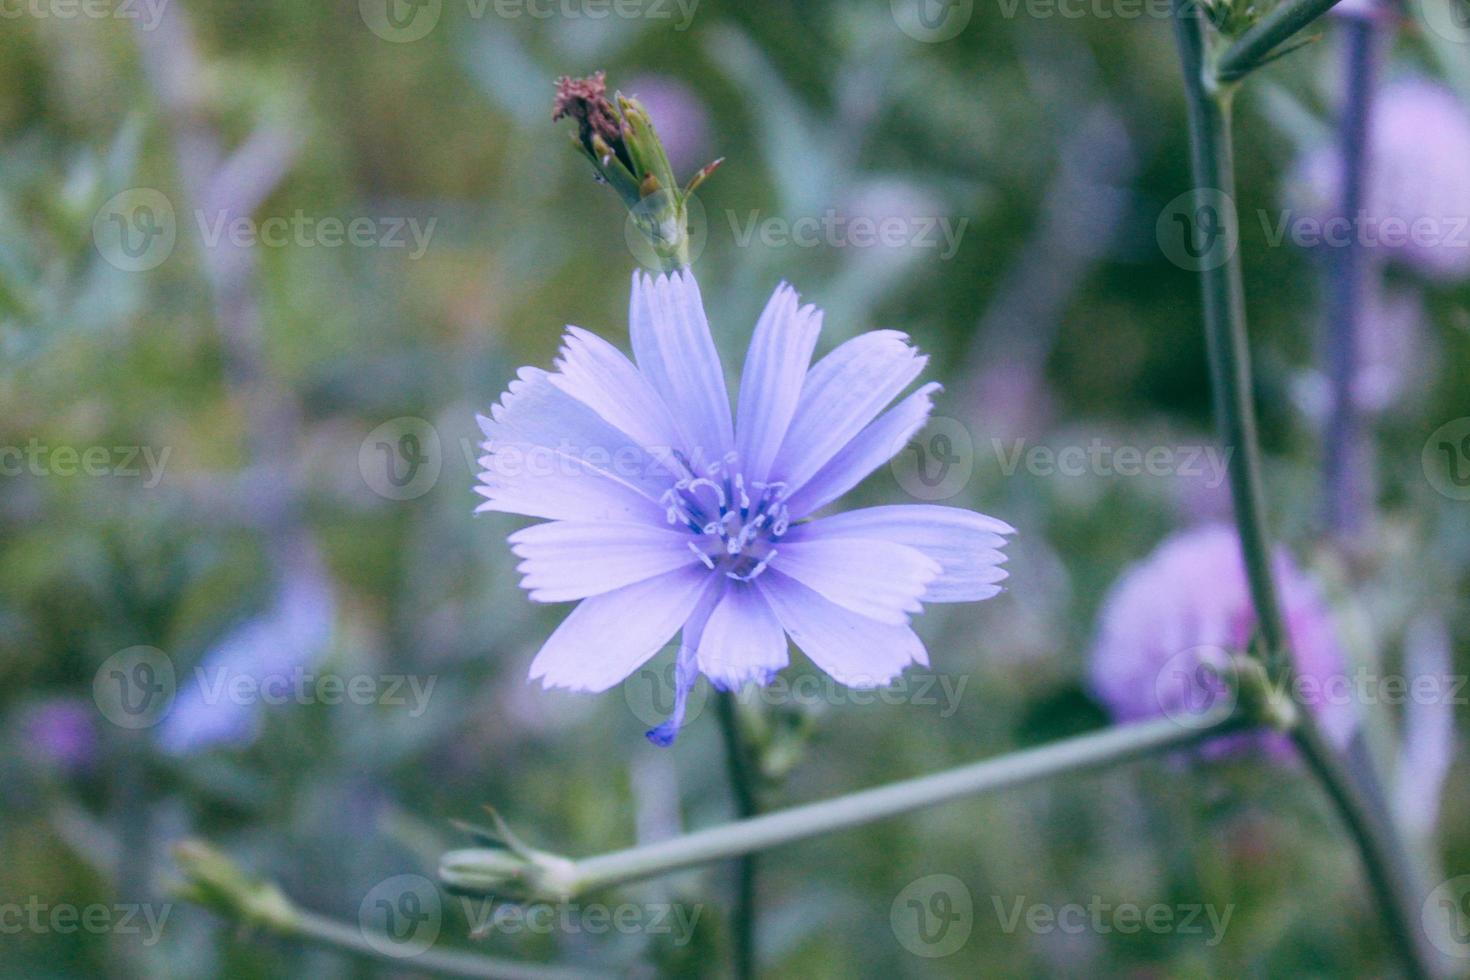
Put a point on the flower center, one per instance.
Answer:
(736, 526)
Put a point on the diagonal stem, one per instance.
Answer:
(1083, 753)
(1255, 47)
(350, 939)
(1385, 861)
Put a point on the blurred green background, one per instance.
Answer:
(271, 384)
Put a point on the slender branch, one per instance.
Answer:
(1384, 859)
(213, 880)
(742, 783)
(449, 963)
(1343, 473)
(479, 868)
(1255, 47)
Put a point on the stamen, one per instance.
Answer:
(751, 516)
(707, 482)
(700, 553)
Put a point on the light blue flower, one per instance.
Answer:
(665, 513)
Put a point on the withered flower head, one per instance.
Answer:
(585, 100)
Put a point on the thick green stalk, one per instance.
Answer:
(1255, 47)
(1384, 859)
(742, 783)
(1212, 162)
(476, 869)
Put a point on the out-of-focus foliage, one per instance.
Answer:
(1049, 146)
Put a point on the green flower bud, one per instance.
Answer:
(214, 881)
(619, 138)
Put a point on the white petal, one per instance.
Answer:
(566, 560)
(854, 650)
(544, 442)
(558, 496)
(609, 636)
(601, 377)
(743, 640)
(879, 579)
(770, 387)
(965, 544)
(675, 352)
(870, 449)
(843, 393)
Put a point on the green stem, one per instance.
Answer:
(1110, 746)
(1212, 161)
(449, 963)
(1384, 859)
(742, 783)
(1254, 48)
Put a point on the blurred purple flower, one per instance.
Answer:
(680, 118)
(1391, 357)
(60, 733)
(1188, 604)
(1418, 195)
(1429, 740)
(286, 639)
(665, 513)
(1382, 11)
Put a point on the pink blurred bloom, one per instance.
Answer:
(1190, 601)
(680, 117)
(1418, 195)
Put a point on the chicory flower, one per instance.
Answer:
(667, 513)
